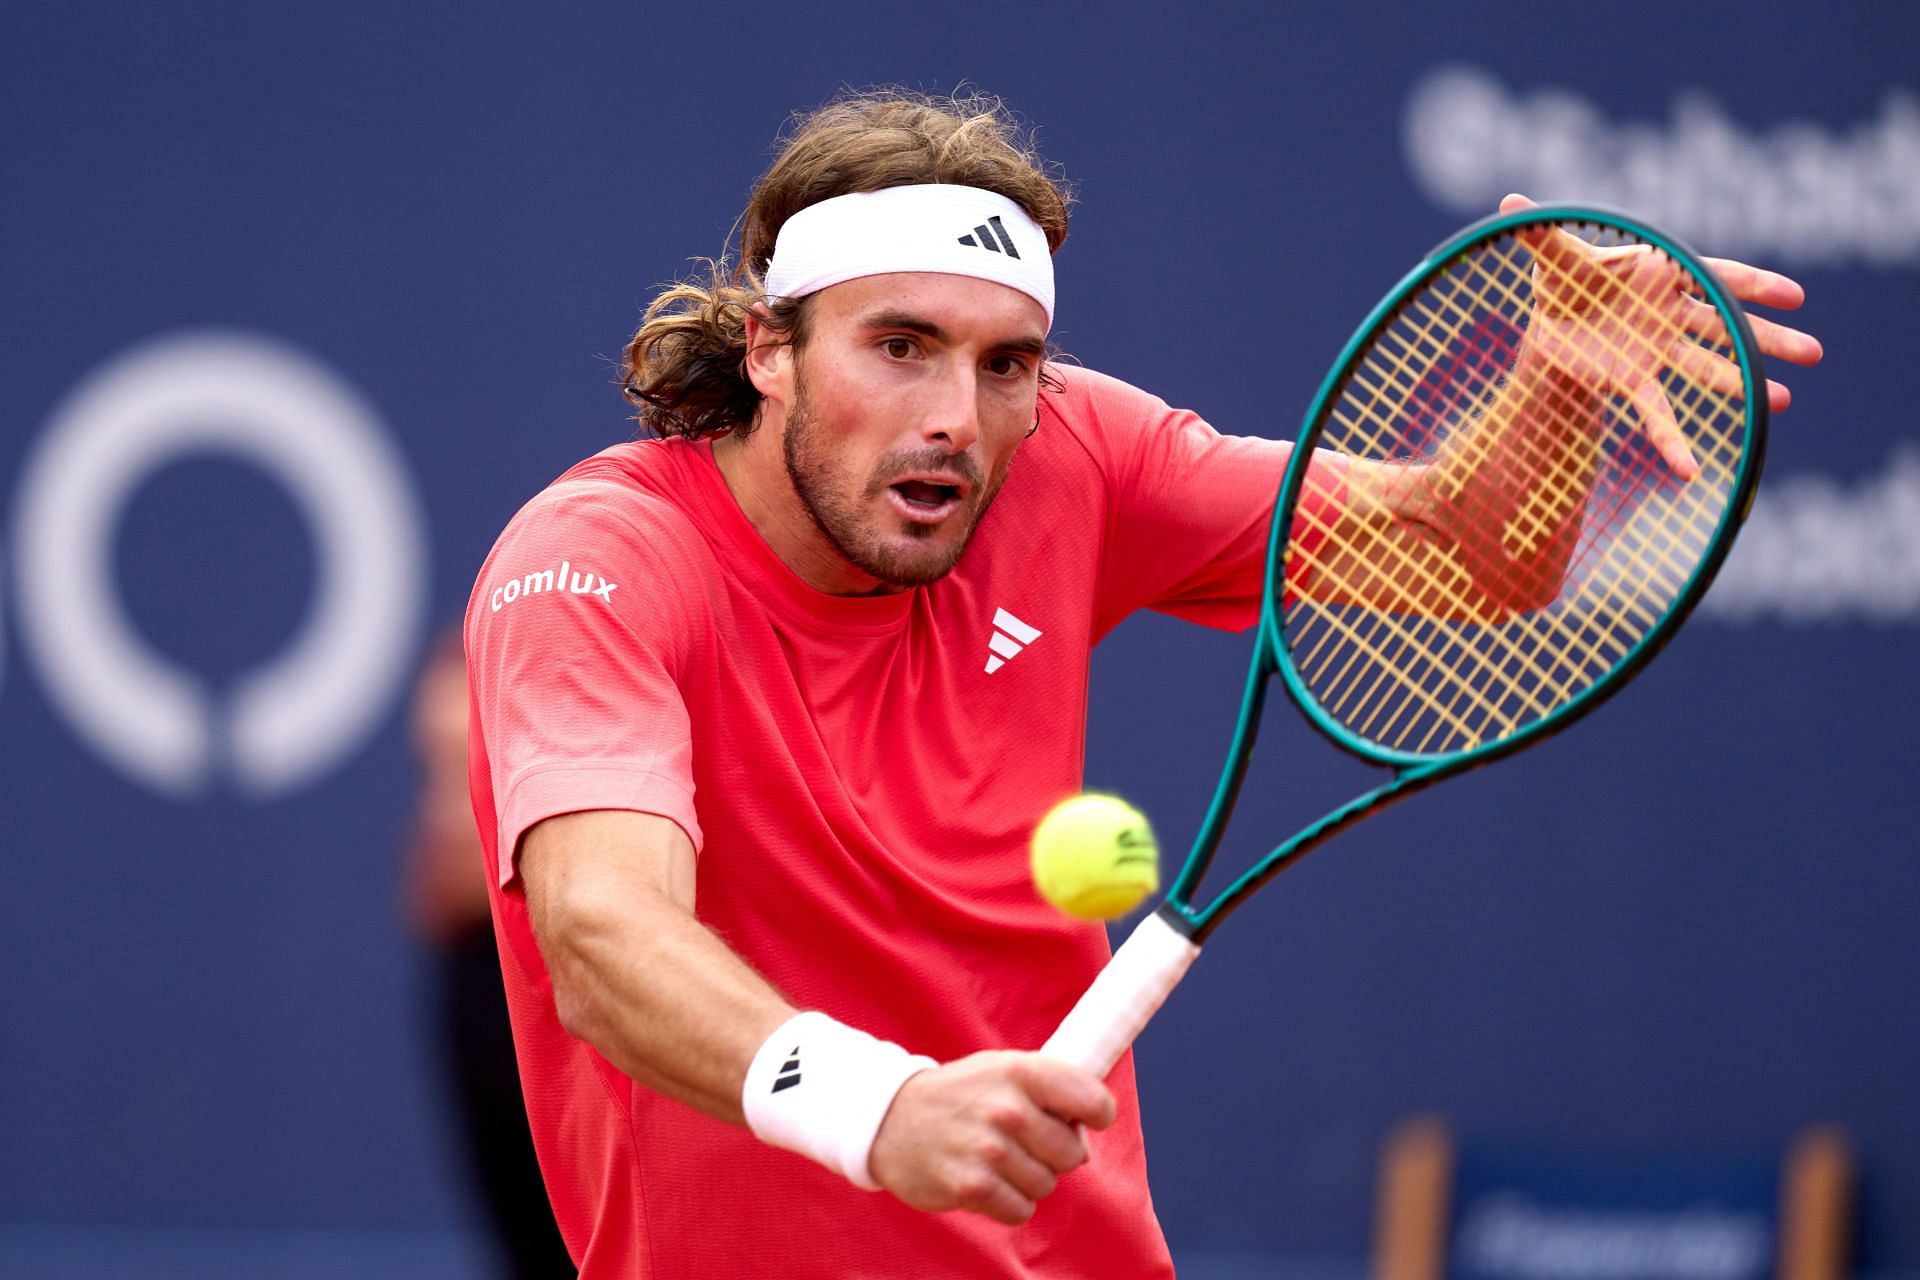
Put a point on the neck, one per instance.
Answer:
(755, 469)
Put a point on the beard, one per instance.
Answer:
(842, 507)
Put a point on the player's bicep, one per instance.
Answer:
(1189, 530)
(604, 854)
(594, 881)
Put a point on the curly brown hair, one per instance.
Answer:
(683, 368)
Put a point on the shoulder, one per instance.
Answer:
(1090, 398)
(640, 488)
(616, 528)
(1113, 421)
(631, 502)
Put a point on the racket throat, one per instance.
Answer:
(1200, 924)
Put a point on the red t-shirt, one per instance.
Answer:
(860, 777)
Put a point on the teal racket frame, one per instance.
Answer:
(1412, 772)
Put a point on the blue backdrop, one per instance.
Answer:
(301, 303)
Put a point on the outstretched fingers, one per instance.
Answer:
(1757, 285)
(1649, 402)
(1719, 374)
(1750, 284)
(1777, 341)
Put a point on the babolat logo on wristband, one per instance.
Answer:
(789, 1071)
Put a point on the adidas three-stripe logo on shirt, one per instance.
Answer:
(1010, 637)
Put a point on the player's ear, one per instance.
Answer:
(768, 364)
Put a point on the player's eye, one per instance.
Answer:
(898, 348)
(1006, 366)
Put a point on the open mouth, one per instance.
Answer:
(921, 494)
(924, 500)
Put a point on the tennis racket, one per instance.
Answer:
(1579, 403)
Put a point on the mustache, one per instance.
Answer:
(908, 461)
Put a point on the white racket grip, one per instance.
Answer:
(1126, 995)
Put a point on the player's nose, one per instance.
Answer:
(952, 419)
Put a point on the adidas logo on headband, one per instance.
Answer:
(894, 229)
(987, 231)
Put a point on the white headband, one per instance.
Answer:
(951, 230)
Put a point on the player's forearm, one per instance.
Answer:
(1506, 494)
(639, 978)
(667, 1003)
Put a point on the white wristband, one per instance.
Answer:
(821, 1088)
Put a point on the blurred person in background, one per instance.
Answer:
(446, 900)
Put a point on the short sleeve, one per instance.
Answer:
(576, 636)
(1191, 509)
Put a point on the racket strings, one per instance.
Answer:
(1418, 646)
(1471, 687)
(1543, 679)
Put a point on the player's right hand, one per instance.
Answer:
(990, 1133)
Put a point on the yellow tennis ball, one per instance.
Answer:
(1094, 857)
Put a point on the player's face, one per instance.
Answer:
(909, 400)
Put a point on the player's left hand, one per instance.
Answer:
(1571, 276)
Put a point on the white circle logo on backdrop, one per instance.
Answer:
(306, 708)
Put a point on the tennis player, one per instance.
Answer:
(766, 707)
